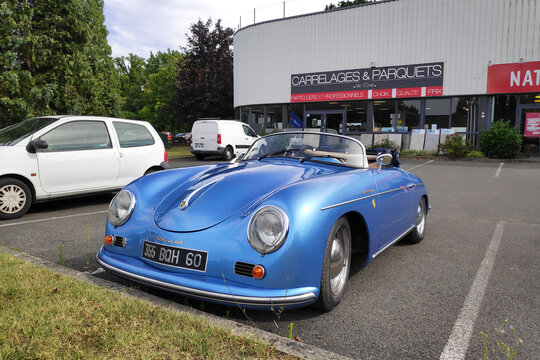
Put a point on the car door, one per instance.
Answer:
(138, 150)
(249, 136)
(395, 204)
(79, 157)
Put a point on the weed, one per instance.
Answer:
(494, 345)
(290, 330)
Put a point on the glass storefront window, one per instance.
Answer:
(461, 107)
(357, 117)
(408, 115)
(505, 109)
(437, 114)
(529, 99)
(383, 114)
(274, 120)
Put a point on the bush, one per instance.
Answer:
(418, 153)
(454, 146)
(385, 143)
(475, 154)
(501, 141)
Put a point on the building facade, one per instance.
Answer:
(394, 67)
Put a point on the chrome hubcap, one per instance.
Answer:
(339, 261)
(420, 219)
(12, 199)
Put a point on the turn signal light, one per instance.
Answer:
(109, 239)
(219, 138)
(258, 272)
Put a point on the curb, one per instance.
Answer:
(287, 346)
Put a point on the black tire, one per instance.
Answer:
(15, 198)
(417, 233)
(336, 266)
(228, 153)
(199, 156)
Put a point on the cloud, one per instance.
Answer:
(144, 26)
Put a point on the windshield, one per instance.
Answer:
(13, 134)
(317, 147)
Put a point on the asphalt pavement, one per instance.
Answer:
(476, 270)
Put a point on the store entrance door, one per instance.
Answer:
(326, 120)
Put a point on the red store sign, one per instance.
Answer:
(514, 78)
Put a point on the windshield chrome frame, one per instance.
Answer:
(312, 133)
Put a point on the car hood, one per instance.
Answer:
(213, 196)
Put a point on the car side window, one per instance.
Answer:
(78, 135)
(132, 135)
(248, 131)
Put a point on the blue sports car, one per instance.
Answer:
(273, 229)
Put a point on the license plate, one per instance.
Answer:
(174, 256)
(198, 145)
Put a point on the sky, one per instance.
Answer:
(143, 26)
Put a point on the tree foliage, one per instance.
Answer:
(160, 89)
(205, 78)
(54, 58)
(342, 4)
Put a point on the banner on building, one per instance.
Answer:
(514, 78)
(371, 83)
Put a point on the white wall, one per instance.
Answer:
(465, 34)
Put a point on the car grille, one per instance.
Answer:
(244, 269)
(119, 241)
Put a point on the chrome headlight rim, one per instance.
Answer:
(256, 243)
(130, 209)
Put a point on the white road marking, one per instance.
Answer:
(417, 166)
(458, 343)
(53, 218)
(498, 173)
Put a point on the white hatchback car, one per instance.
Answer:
(59, 156)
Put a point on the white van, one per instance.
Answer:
(220, 137)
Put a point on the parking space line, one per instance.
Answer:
(498, 173)
(417, 166)
(460, 338)
(53, 218)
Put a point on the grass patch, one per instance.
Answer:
(44, 315)
(178, 151)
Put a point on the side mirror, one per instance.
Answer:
(384, 160)
(35, 145)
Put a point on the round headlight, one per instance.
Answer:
(121, 207)
(268, 229)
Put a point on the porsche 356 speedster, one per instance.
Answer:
(274, 229)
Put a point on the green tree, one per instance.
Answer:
(160, 89)
(54, 58)
(343, 4)
(205, 78)
(132, 73)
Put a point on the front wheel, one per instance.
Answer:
(417, 233)
(15, 198)
(336, 266)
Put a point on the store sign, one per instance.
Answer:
(514, 78)
(370, 83)
(532, 125)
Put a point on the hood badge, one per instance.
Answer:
(183, 204)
